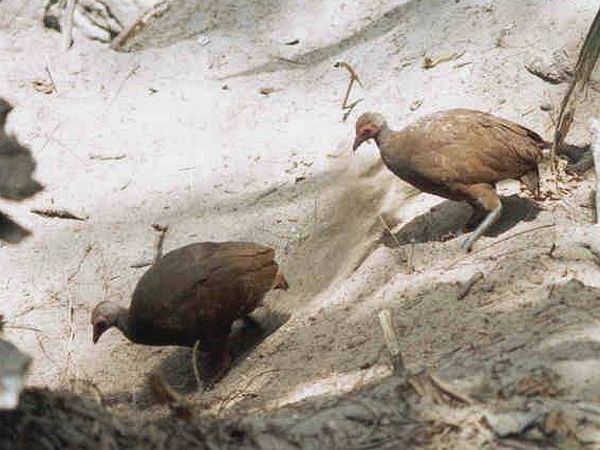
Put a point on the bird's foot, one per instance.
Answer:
(467, 244)
(472, 223)
(213, 368)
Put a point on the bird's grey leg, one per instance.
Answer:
(476, 217)
(483, 226)
(486, 198)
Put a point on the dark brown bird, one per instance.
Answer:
(195, 293)
(459, 154)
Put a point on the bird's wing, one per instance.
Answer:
(203, 279)
(470, 147)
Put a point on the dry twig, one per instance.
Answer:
(68, 23)
(158, 246)
(389, 230)
(446, 389)
(58, 214)
(288, 60)
(51, 78)
(391, 341)
(195, 364)
(429, 62)
(128, 34)
(160, 240)
(410, 263)
(108, 157)
(88, 249)
(71, 331)
(353, 77)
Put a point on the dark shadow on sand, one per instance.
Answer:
(10, 231)
(177, 369)
(449, 217)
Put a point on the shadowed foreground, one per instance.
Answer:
(417, 412)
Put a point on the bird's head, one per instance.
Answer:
(104, 317)
(368, 126)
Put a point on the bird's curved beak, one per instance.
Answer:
(358, 141)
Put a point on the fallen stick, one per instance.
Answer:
(131, 73)
(58, 214)
(429, 62)
(410, 265)
(391, 342)
(353, 77)
(446, 389)
(389, 230)
(349, 68)
(466, 287)
(140, 24)
(160, 240)
(288, 60)
(158, 247)
(195, 364)
(23, 327)
(88, 249)
(51, 78)
(108, 157)
(68, 24)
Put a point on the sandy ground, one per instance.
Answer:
(196, 146)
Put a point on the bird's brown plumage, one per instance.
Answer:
(195, 293)
(459, 154)
(198, 287)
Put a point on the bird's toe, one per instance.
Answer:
(467, 244)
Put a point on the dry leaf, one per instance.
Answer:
(416, 104)
(266, 90)
(43, 86)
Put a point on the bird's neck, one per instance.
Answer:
(123, 323)
(384, 137)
